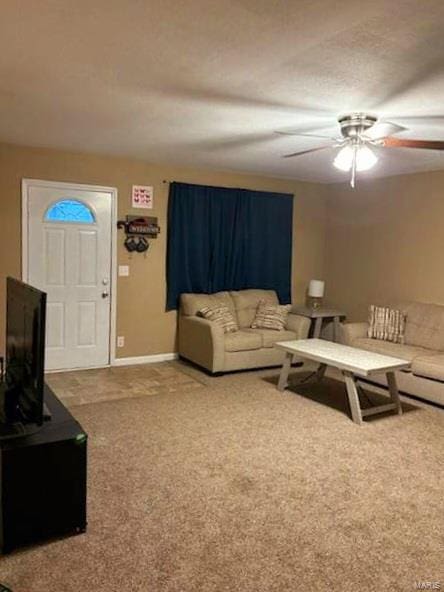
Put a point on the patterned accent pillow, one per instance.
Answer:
(271, 316)
(385, 323)
(221, 315)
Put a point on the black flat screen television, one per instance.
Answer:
(25, 353)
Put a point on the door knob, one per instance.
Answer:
(105, 294)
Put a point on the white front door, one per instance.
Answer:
(69, 257)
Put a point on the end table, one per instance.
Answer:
(319, 315)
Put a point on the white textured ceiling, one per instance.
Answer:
(206, 82)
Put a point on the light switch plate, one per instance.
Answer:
(123, 270)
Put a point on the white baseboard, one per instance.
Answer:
(144, 359)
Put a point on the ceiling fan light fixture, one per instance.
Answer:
(365, 158)
(344, 159)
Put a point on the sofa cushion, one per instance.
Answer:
(405, 352)
(242, 341)
(431, 366)
(271, 316)
(386, 323)
(270, 337)
(424, 325)
(190, 304)
(220, 315)
(246, 303)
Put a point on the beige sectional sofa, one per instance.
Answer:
(205, 343)
(424, 348)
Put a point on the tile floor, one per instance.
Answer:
(103, 384)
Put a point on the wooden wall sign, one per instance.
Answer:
(142, 225)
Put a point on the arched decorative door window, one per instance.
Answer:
(70, 210)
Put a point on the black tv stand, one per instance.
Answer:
(43, 480)
(47, 415)
(19, 429)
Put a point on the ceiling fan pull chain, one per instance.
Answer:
(353, 169)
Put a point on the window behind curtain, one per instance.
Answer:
(228, 239)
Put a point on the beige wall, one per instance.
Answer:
(141, 315)
(385, 242)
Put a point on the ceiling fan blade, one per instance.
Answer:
(296, 133)
(431, 118)
(382, 129)
(404, 143)
(306, 151)
(288, 132)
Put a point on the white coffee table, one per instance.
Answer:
(353, 363)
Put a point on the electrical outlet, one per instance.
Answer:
(123, 270)
(121, 341)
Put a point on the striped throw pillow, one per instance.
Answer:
(221, 315)
(387, 324)
(271, 316)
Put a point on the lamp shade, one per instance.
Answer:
(316, 288)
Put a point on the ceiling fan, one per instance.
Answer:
(359, 132)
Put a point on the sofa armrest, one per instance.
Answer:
(348, 332)
(299, 324)
(202, 342)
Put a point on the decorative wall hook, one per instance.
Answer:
(138, 229)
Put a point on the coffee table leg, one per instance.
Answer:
(353, 397)
(319, 374)
(283, 377)
(315, 376)
(393, 389)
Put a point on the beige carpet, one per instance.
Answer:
(236, 487)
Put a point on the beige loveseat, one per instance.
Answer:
(424, 348)
(205, 343)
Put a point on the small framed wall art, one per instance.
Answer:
(142, 196)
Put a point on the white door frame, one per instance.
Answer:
(26, 183)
